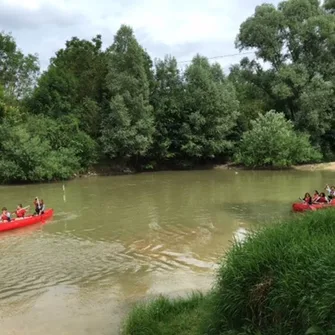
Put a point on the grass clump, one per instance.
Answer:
(279, 280)
(163, 316)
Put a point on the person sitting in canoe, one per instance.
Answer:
(322, 198)
(316, 196)
(42, 206)
(5, 216)
(39, 206)
(307, 198)
(331, 191)
(20, 211)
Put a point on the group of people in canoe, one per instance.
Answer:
(318, 198)
(20, 212)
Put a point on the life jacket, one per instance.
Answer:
(308, 200)
(20, 213)
(4, 217)
(322, 199)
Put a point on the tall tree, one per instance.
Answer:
(210, 111)
(253, 91)
(18, 72)
(74, 84)
(167, 100)
(297, 40)
(127, 127)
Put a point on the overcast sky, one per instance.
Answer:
(181, 28)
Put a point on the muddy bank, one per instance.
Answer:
(113, 168)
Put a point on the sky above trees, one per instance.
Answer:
(180, 28)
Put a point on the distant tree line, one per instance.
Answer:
(116, 104)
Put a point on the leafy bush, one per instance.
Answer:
(272, 142)
(279, 280)
(28, 155)
(64, 133)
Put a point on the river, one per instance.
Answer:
(115, 240)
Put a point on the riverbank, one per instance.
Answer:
(118, 169)
(277, 281)
(316, 167)
(115, 168)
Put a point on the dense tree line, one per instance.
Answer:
(116, 104)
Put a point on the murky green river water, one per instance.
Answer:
(114, 240)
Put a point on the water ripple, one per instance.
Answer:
(46, 260)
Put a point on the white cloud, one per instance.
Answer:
(172, 23)
(181, 28)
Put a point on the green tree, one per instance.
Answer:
(65, 133)
(167, 100)
(297, 40)
(253, 88)
(272, 142)
(210, 111)
(329, 5)
(74, 84)
(18, 72)
(27, 156)
(127, 128)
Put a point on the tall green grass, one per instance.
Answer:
(279, 280)
(164, 316)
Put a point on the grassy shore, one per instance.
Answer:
(280, 280)
(164, 316)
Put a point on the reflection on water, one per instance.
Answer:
(115, 240)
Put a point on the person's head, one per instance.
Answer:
(19, 206)
(322, 195)
(42, 202)
(307, 195)
(332, 188)
(4, 209)
(316, 192)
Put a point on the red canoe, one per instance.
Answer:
(27, 221)
(302, 206)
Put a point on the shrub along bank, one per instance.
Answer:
(278, 281)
